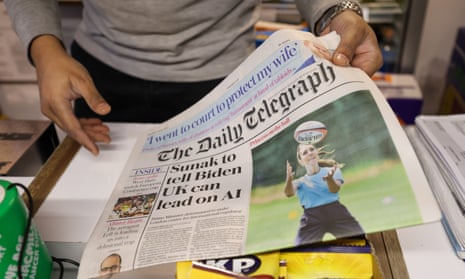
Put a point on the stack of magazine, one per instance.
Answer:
(438, 141)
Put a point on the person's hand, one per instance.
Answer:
(330, 173)
(289, 171)
(62, 80)
(289, 188)
(333, 185)
(358, 46)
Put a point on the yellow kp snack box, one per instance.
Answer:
(342, 259)
(311, 263)
(258, 266)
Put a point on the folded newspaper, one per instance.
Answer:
(241, 171)
(438, 141)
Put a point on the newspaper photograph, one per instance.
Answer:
(288, 150)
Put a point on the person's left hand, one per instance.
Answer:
(330, 173)
(358, 46)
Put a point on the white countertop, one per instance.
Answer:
(428, 253)
(73, 207)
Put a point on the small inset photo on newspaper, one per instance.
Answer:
(133, 206)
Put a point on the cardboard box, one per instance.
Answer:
(344, 258)
(402, 93)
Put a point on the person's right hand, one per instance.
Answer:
(358, 46)
(62, 80)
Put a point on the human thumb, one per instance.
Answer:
(85, 87)
(96, 102)
(100, 107)
(341, 59)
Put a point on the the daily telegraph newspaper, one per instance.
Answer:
(210, 183)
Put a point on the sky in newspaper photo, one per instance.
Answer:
(376, 189)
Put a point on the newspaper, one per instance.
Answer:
(444, 136)
(438, 141)
(209, 183)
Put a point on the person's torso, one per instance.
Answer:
(179, 40)
(312, 190)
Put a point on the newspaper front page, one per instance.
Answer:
(210, 182)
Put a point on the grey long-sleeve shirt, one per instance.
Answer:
(178, 40)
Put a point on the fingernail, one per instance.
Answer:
(341, 59)
(103, 108)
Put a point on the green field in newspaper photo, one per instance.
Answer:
(376, 189)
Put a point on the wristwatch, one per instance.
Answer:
(332, 12)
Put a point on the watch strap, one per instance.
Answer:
(335, 10)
